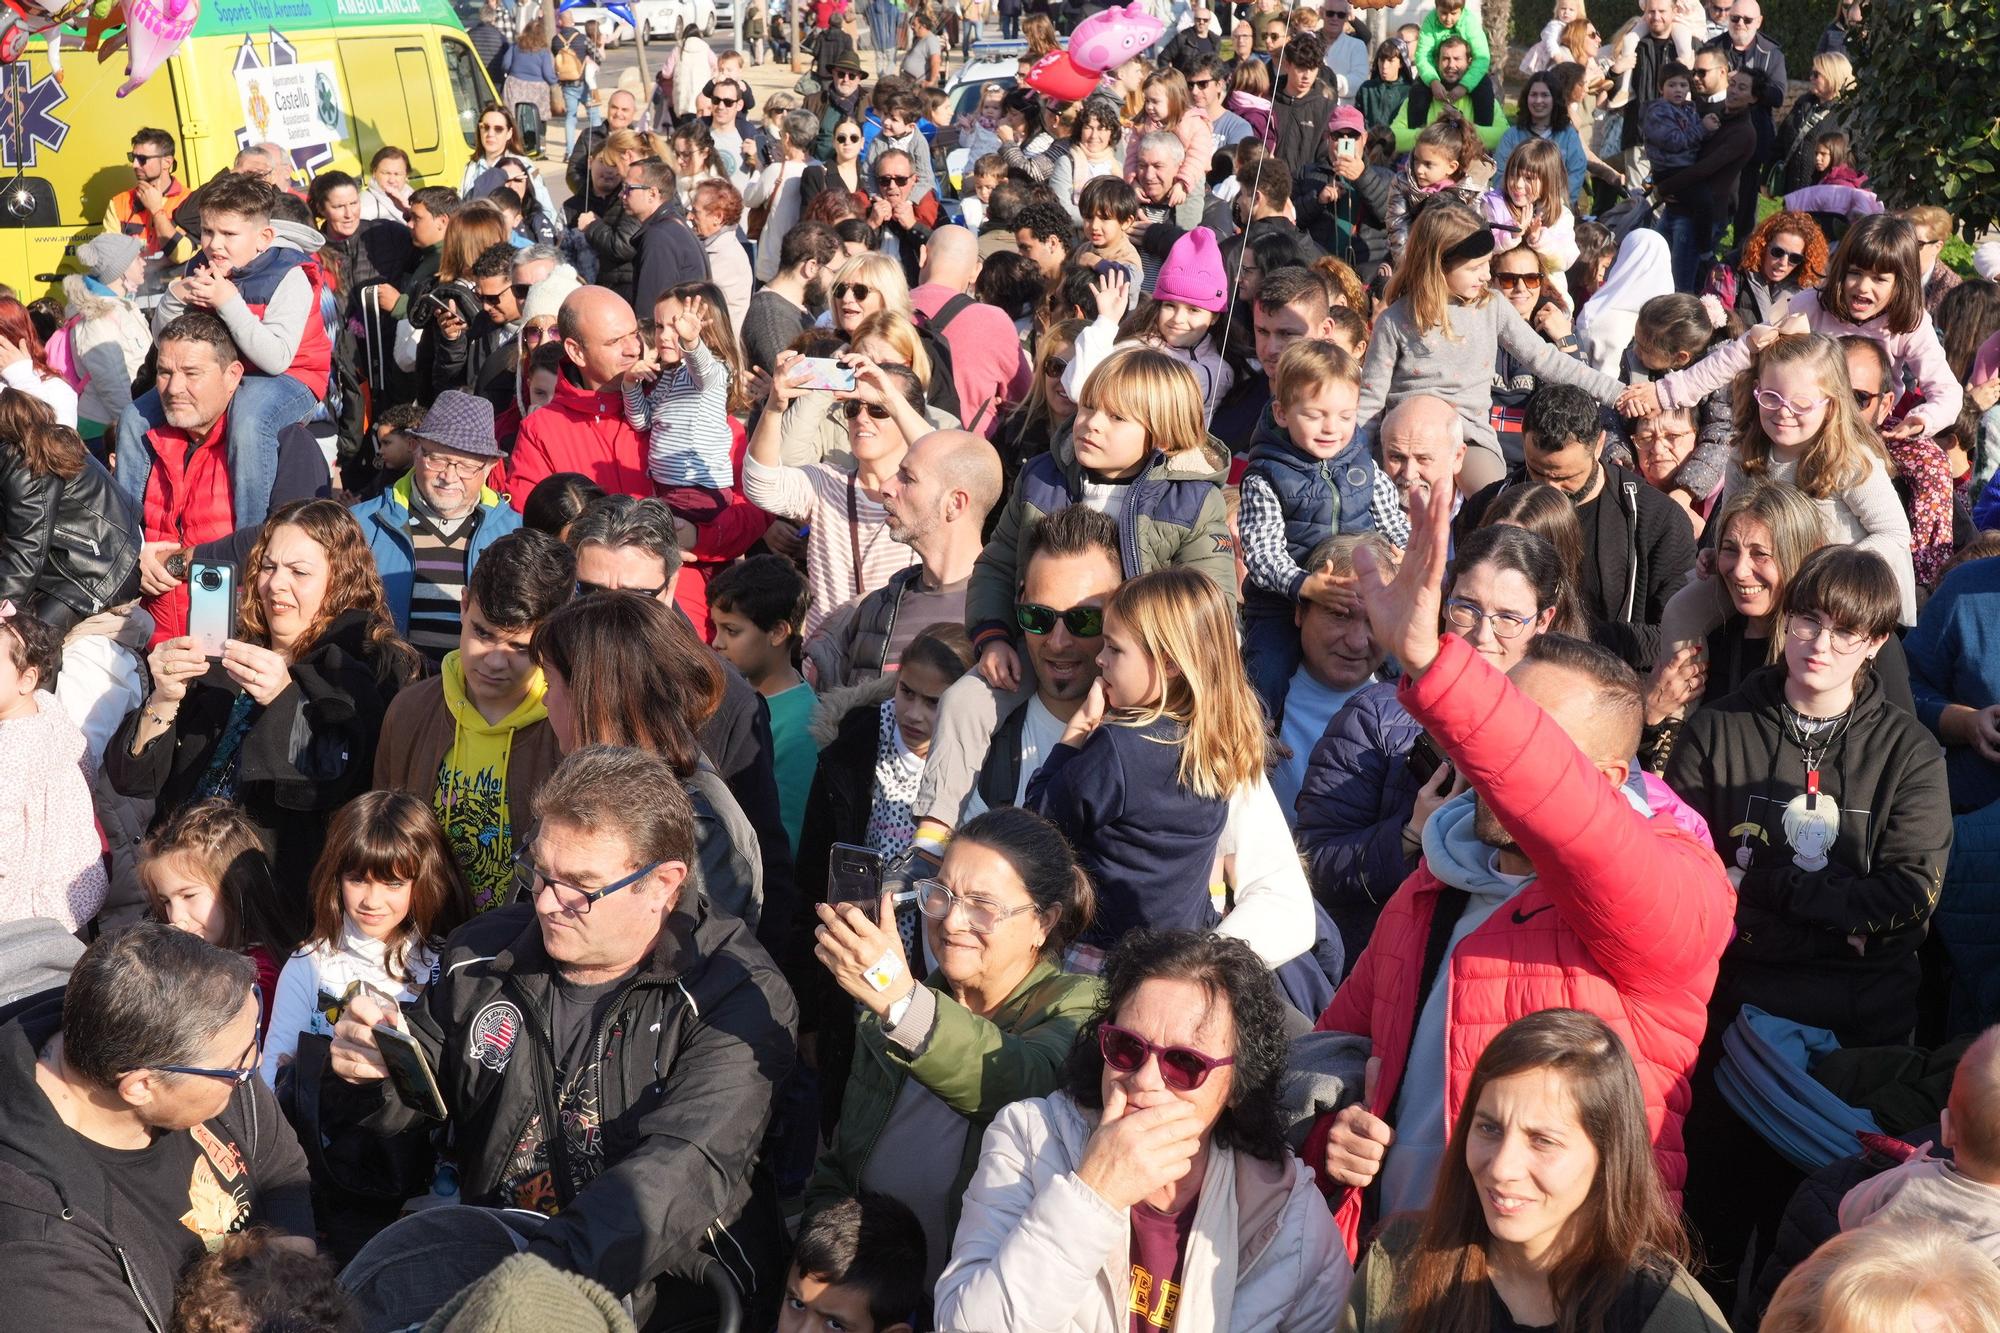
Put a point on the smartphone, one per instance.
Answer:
(823, 372)
(212, 606)
(1344, 146)
(853, 875)
(409, 1071)
(1426, 758)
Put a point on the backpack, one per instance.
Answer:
(569, 65)
(942, 391)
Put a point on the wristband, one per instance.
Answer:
(932, 845)
(884, 972)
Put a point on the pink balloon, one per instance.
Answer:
(1110, 37)
(154, 30)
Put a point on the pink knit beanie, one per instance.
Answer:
(1193, 273)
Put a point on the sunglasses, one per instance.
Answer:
(854, 407)
(728, 101)
(1084, 622)
(860, 291)
(136, 158)
(1057, 367)
(1517, 279)
(1784, 256)
(847, 138)
(893, 182)
(1181, 1069)
(633, 189)
(1735, 22)
(1866, 401)
(521, 290)
(586, 589)
(492, 129)
(1199, 84)
(492, 300)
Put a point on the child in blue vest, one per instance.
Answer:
(258, 274)
(1310, 476)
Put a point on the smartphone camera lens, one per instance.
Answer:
(209, 580)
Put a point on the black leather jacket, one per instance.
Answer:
(75, 542)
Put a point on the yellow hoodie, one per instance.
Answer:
(471, 792)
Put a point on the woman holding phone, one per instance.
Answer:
(989, 1026)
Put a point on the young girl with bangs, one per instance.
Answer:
(1530, 205)
(1874, 287)
(1796, 422)
(1442, 332)
(385, 893)
(1182, 318)
(1141, 781)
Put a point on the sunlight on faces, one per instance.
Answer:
(1430, 165)
(1066, 665)
(813, 1306)
(919, 686)
(1337, 646)
(376, 907)
(231, 240)
(1278, 329)
(1174, 1012)
(619, 929)
(1412, 458)
(496, 663)
(1532, 1161)
(1320, 422)
(1107, 443)
(1795, 382)
(1130, 678)
(743, 645)
(1817, 663)
(182, 896)
(1661, 444)
(291, 583)
(1184, 325)
(1747, 563)
(1103, 231)
(969, 959)
(172, 1102)
(612, 568)
(1468, 281)
(426, 228)
(1867, 293)
(1526, 291)
(342, 209)
(1497, 591)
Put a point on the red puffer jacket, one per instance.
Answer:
(579, 431)
(1626, 918)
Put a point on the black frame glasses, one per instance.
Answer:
(860, 291)
(573, 901)
(893, 182)
(240, 1074)
(854, 407)
(1784, 256)
(1084, 622)
(1866, 400)
(1182, 1068)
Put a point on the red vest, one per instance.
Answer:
(187, 503)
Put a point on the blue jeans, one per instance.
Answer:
(263, 406)
(1010, 27)
(882, 33)
(573, 98)
(1689, 241)
(1270, 654)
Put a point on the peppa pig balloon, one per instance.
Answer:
(154, 30)
(1056, 76)
(1110, 37)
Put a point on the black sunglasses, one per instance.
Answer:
(893, 182)
(1866, 401)
(847, 138)
(854, 406)
(727, 101)
(521, 290)
(1784, 256)
(136, 158)
(1085, 622)
(860, 291)
(584, 588)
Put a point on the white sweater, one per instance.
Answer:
(317, 976)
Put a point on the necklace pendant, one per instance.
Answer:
(1812, 782)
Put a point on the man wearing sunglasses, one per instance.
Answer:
(1192, 47)
(669, 253)
(606, 1047)
(1553, 882)
(135, 1135)
(1747, 48)
(147, 209)
(903, 219)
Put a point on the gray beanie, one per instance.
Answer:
(107, 255)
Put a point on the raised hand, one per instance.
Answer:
(1403, 611)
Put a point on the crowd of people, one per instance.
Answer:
(1274, 697)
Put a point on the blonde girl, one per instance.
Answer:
(1529, 206)
(1878, 1277)
(865, 284)
(1442, 330)
(1796, 422)
(1048, 406)
(889, 338)
(385, 892)
(1163, 105)
(1141, 781)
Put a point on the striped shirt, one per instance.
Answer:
(818, 495)
(687, 414)
(437, 588)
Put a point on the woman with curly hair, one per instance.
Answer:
(1784, 256)
(1164, 1154)
(287, 726)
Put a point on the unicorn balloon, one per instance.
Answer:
(154, 30)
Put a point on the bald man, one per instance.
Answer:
(1557, 862)
(938, 501)
(1422, 440)
(583, 429)
(988, 367)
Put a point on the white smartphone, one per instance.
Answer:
(823, 372)
(212, 606)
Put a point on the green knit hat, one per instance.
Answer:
(528, 1294)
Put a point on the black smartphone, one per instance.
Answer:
(1425, 759)
(409, 1071)
(853, 875)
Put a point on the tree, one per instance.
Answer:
(1920, 113)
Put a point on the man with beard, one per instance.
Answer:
(1580, 893)
(938, 500)
(783, 307)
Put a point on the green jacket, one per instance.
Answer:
(974, 1065)
(1373, 1301)
(1174, 514)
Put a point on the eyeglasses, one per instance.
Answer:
(453, 467)
(1181, 1068)
(1517, 280)
(846, 76)
(1784, 256)
(1736, 22)
(136, 158)
(892, 182)
(727, 101)
(854, 407)
(1057, 367)
(633, 189)
(1466, 617)
(860, 291)
(492, 300)
(521, 290)
(585, 588)
(1807, 629)
(493, 129)
(1085, 622)
(1773, 401)
(236, 1075)
(1198, 84)
(1866, 400)
(935, 901)
(847, 138)
(572, 900)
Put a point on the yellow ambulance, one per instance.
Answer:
(330, 81)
